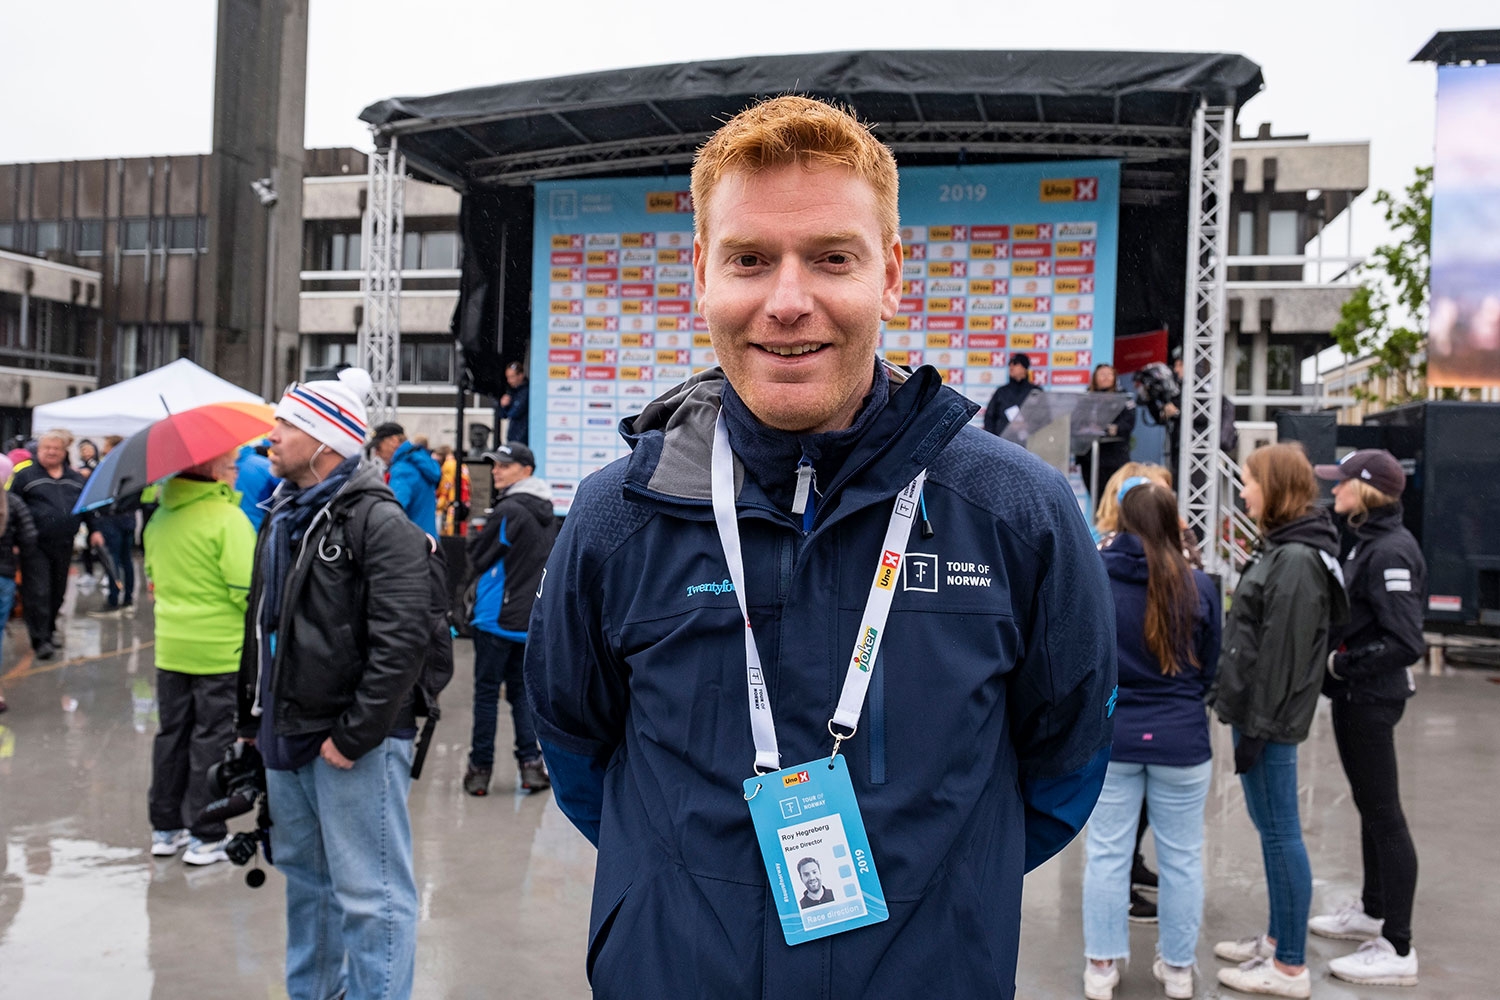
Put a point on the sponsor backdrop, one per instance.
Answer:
(999, 259)
(1464, 334)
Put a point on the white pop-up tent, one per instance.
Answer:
(126, 407)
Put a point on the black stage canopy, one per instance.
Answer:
(930, 107)
(1136, 106)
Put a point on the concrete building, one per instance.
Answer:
(1290, 260)
(108, 269)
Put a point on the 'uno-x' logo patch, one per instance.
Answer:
(789, 780)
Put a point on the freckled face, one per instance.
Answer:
(794, 280)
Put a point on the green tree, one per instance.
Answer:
(1386, 317)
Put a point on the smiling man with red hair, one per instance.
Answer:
(710, 600)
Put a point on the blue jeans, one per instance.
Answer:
(119, 542)
(1271, 799)
(343, 841)
(498, 661)
(1174, 798)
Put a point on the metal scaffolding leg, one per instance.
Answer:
(1198, 472)
(380, 333)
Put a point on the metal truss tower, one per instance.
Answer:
(380, 333)
(1200, 475)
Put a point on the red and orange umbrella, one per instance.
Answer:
(171, 445)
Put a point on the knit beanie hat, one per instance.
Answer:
(332, 411)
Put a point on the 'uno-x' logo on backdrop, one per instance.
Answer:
(1070, 189)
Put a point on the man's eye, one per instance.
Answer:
(839, 258)
(746, 260)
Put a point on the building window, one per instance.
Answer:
(427, 361)
(345, 252)
(1282, 236)
(429, 251)
(1242, 368)
(49, 236)
(411, 251)
(182, 233)
(8, 236)
(1281, 362)
(135, 236)
(1244, 236)
(88, 236)
(203, 233)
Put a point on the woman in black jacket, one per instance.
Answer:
(1369, 679)
(17, 535)
(1274, 652)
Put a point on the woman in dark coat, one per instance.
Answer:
(1369, 679)
(17, 541)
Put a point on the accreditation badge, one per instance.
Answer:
(817, 856)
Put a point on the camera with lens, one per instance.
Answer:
(239, 782)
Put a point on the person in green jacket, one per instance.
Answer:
(199, 553)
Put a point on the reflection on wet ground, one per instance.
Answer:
(505, 881)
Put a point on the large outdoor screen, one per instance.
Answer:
(1464, 333)
(999, 259)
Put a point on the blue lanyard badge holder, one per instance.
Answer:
(807, 819)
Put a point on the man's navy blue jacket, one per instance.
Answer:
(984, 736)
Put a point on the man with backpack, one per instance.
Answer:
(507, 558)
(338, 625)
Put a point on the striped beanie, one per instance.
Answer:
(332, 411)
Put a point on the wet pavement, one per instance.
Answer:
(504, 881)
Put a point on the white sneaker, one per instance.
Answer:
(201, 853)
(1099, 984)
(1176, 980)
(1245, 949)
(1260, 975)
(1347, 923)
(1377, 964)
(165, 843)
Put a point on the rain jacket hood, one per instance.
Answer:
(980, 749)
(414, 479)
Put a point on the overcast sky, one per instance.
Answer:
(91, 78)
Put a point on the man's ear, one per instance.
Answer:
(890, 291)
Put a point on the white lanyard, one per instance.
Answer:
(871, 626)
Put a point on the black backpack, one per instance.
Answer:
(437, 659)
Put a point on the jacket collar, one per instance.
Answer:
(672, 445)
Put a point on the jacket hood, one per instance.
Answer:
(672, 438)
(1125, 559)
(1316, 529)
(178, 492)
(533, 486)
(420, 460)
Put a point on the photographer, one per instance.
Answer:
(199, 548)
(333, 645)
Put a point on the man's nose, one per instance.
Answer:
(790, 298)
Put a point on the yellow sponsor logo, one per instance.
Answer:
(1023, 268)
(1023, 232)
(981, 323)
(595, 323)
(557, 372)
(594, 357)
(940, 234)
(981, 288)
(898, 357)
(939, 305)
(630, 274)
(703, 340)
(596, 291)
(1057, 190)
(978, 359)
(666, 357)
(661, 201)
(788, 780)
(1064, 359)
(1065, 286)
(632, 307)
(1023, 304)
(1022, 341)
(666, 322)
(631, 374)
(562, 307)
(1064, 322)
(559, 340)
(562, 242)
(562, 274)
(898, 323)
(982, 251)
(1069, 248)
(666, 257)
(940, 269)
(885, 580)
(630, 340)
(632, 240)
(597, 257)
(940, 340)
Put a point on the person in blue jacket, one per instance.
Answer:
(255, 480)
(1167, 619)
(983, 738)
(413, 474)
